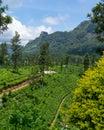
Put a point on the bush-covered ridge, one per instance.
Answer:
(79, 41)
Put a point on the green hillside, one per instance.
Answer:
(35, 106)
(79, 41)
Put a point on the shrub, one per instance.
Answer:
(87, 109)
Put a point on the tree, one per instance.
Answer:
(87, 110)
(48, 61)
(4, 19)
(44, 57)
(15, 50)
(3, 52)
(26, 117)
(67, 60)
(86, 62)
(97, 17)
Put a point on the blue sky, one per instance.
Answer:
(30, 17)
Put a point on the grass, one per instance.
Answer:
(9, 78)
(45, 97)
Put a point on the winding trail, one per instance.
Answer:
(58, 110)
(22, 84)
(26, 83)
(17, 86)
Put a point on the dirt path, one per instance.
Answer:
(58, 109)
(16, 87)
(22, 85)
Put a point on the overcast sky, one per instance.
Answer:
(30, 17)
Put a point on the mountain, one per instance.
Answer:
(79, 41)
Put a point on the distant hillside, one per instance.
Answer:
(79, 41)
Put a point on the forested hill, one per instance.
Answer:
(79, 41)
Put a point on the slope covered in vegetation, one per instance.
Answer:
(35, 106)
(79, 41)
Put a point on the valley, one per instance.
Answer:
(51, 65)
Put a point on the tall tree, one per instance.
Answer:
(97, 17)
(3, 51)
(43, 57)
(15, 50)
(4, 19)
(86, 62)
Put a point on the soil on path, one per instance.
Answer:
(23, 84)
(58, 110)
(17, 86)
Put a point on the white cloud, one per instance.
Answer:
(51, 20)
(26, 32)
(55, 20)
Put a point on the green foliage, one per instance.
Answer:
(97, 17)
(3, 52)
(9, 78)
(79, 41)
(86, 62)
(21, 116)
(26, 117)
(15, 50)
(43, 57)
(4, 19)
(87, 109)
(45, 99)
